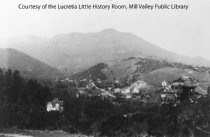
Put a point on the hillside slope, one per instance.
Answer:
(28, 66)
(170, 74)
(152, 71)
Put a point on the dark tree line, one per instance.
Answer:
(22, 102)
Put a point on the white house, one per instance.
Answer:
(164, 83)
(55, 105)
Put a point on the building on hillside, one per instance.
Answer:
(135, 90)
(128, 96)
(164, 83)
(168, 97)
(139, 84)
(185, 78)
(107, 95)
(117, 90)
(181, 90)
(186, 91)
(55, 105)
(136, 86)
(116, 81)
(91, 85)
(81, 92)
(98, 80)
(125, 90)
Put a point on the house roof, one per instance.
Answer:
(56, 101)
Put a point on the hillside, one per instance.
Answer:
(136, 65)
(170, 74)
(152, 71)
(97, 71)
(76, 52)
(28, 66)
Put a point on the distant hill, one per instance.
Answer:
(76, 52)
(152, 71)
(95, 72)
(136, 65)
(170, 74)
(28, 66)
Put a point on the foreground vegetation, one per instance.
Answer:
(23, 105)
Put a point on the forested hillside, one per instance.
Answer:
(23, 105)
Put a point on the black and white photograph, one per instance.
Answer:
(104, 68)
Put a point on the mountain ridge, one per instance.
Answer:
(75, 52)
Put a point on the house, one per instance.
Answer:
(128, 96)
(90, 85)
(55, 105)
(106, 94)
(181, 90)
(139, 84)
(116, 81)
(125, 90)
(164, 83)
(183, 77)
(98, 81)
(117, 90)
(166, 98)
(135, 90)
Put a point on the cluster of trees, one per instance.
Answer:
(22, 102)
(23, 105)
(102, 117)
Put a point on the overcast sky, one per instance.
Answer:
(185, 32)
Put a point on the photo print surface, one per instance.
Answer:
(107, 68)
